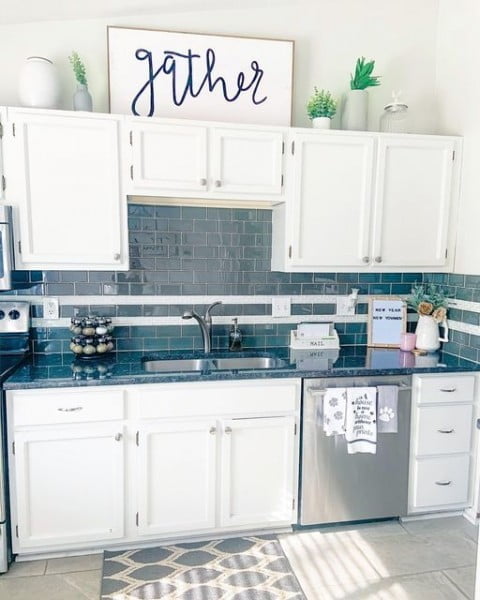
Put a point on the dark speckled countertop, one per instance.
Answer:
(62, 370)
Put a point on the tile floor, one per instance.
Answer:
(422, 560)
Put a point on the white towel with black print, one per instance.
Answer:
(334, 405)
(361, 420)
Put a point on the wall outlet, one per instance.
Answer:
(281, 306)
(344, 306)
(51, 308)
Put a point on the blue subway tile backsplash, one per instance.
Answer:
(202, 251)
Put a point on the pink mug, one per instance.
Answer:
(407, 342)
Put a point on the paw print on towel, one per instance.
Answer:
(333, 402)
(386, 414)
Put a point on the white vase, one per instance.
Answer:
(355, 110)
(428, 333)
(321, 122)
(82, 100)
(38, 85)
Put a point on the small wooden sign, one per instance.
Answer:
(387, 320)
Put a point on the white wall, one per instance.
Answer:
(329, 35)
(458, 91)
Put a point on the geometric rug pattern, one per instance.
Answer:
(245, 568)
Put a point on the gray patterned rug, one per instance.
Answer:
(246, 568)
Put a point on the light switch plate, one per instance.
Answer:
(281, 306)
(344, 307)
(51, 308)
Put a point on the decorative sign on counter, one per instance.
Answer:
(195, 76)
(387, 320)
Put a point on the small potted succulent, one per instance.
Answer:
(82, 100)
(430, 302)
(321, 108)
(356, 105)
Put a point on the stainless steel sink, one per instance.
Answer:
(248, 362)
(175, 365)
(234, 363)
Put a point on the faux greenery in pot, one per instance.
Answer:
(321, 104)
(363, 77)
(429, 300)
(82, 99)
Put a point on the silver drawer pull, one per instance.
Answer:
(72, 409)
(445, 430)
(213, 430)
(454, 389)
(443, 482)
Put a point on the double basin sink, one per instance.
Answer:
(212, 363)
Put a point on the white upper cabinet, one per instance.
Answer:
(367, 201)
(168, 157)
(413, 194)
(332, 191)
(64, 174)
(198, 160)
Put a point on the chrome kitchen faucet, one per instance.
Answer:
(205, 324)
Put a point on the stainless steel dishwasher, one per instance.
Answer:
(337, 486)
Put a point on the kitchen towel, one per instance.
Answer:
(361, 420)
(334, 405)
(387, 408)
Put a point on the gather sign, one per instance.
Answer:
(196, 76)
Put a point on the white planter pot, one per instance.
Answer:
(82, 100)
(355, 111)
(428, 333)
(321, 122)
(38, 85)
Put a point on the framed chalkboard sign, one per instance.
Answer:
(387, 320)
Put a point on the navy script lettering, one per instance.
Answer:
(180, 89)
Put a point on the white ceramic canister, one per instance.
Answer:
(39, 86)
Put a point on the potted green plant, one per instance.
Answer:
(430, 302)
(82, 100)
(356, 105)
(321, 107)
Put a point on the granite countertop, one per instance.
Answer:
(63, 370)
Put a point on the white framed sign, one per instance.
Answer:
(387, 320)
(196, 76)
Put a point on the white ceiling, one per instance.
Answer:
(25, 11)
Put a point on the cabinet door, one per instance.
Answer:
(168, 157)
(412, 201)
(257, 471)
(332, 200)
(3, 121)
(176, 466)
(69, 485)
(246, 161)
(71, 212)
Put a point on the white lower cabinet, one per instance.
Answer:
(257, 467)
(176, 476)
(116, 464)
(69, 485)
(442, 444)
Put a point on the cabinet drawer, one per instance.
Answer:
(207, 399)
(48, 407)
(444, 429)
(452, 388)
(441, 481)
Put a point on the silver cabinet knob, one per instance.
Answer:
(218, 183)
(213, 430)
(378, 259)
(203, 181)
(366, 259)
(118, 437)
(228, 430)
(116, 256)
